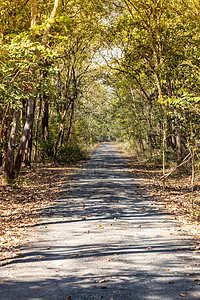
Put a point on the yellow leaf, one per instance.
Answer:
(100, 227)
(182, 295)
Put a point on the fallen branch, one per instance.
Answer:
(185, 160)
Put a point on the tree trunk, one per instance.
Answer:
(36, 131)
(50, 22)
(25, 135)
(45, 121)
(70, 123)
(29, 144)
(141, 145)
(164, 144)
(61, 131)
(178, 140)
(4, 131)
(10, 156)
(193, 176)
(33, 12)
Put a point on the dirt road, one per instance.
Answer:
(105, 238)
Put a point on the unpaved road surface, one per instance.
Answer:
(105, 238)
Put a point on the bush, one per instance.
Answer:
(70, 154)
(46, 149)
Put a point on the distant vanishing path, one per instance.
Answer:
(105, 239)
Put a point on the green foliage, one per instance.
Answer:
(151, 49)
(46, 149)
(71, 154)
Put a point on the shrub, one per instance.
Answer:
(70, 154)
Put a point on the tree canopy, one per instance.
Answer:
(77, 72)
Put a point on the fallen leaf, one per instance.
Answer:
(171, 282)
(182, 295)
(100, 227)
(149, 248)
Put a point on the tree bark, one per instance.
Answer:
(50, 22)
(25, 135)
(178, 137)
(36, 131)
(70, 123)
(45, 121)
(33, 12)
(29, 143)
(61, 131)
(4, 131)
(10, 156)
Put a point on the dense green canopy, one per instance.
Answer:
(82, 71)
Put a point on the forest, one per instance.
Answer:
(75, 73)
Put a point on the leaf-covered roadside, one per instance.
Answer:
(177, 195)
(24, 201)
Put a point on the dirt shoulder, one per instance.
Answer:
(177, 195)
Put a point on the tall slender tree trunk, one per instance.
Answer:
(45, 121)
(178, 138)
(193, 176)
(61, 131)
(29, 143)
(164, 150)
(45, 126)
(33, 12)
(4, 132)
(10, 156)
(36, 131)
(70, 123)
(25, 135)
(141, 145)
